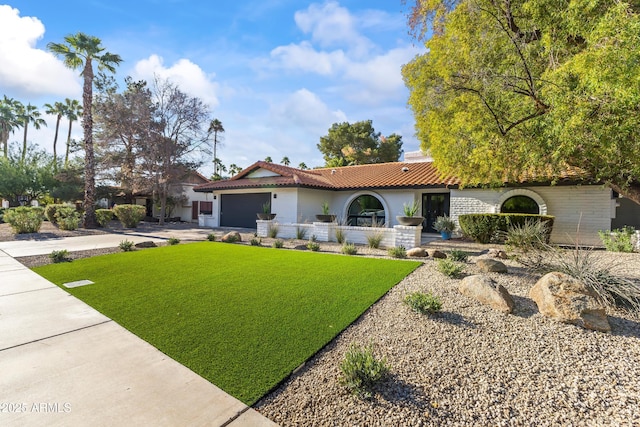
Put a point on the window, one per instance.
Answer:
(365, 211)
(520, 204)
(206, 208)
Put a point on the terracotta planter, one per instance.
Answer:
(410, 220)
(325, 218)
(267, 217)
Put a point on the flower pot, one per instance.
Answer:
(410, 220)
(446, 235)
(325, 218)
(266, 216)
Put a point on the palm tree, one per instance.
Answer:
(268, 159)
(302, 166)
(80, 51)
(72, 111)
(58, 108)
(9, 120)
(215, 127)
(285, 161)
(234, 169)
(29, 115)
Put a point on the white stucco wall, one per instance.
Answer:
(587, 205)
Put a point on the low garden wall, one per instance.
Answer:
(399, 235)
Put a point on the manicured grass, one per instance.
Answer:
(242, 317)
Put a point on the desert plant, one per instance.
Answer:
(278, 243)
(410, 209)
(273, 231)
(232, 238)
(374, 239)
(450, 268)
(313, 238)
(458, 255)
(211, 237)
(126, 245)
(361, 370)
(67, 217)
(484, 228)
(397, 252)
(325, 208)
(301, 233)
(24, 219)
(129, 215)
(618, 240)
(527, 236)
(349, 249)
(313, 246)
(50, 211)
(266, 207)
(255, 241)
(341, 236)
(423, 303)
(444, 224)
(59, 256)
(103, 217)
(171, 241)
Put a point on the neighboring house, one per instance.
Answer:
(359, 195)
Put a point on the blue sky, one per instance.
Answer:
(276, 73)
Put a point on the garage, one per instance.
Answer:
(239, 210)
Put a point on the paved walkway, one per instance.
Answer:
(62, 363)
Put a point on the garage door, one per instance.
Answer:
(239, 210)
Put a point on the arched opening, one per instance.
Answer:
(520, 204)
(366, 210)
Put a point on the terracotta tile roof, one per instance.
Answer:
(382, 175)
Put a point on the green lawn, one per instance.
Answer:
(242, 317)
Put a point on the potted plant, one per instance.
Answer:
(410, 216)
(445, 226)
(266, 212)
(325, 216)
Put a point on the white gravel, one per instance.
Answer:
(470, 365)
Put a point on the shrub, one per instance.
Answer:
(397, 252)
(59, 256)
(51, 210)
(126, 245)
(531, 235)
(301, 233)
(484, 228)
(232, 238)
(618, 240)
(361, 370)
(423, 303)
(278, 243)
(313, 238)
(450, 268)
(24, 219)
(211, 237)
(103, 217)
(341, 236)
(458, 255)
(171, 241)
(349, 249)
(374, 239)
(256, 241)
(129, 215)
(313, 246)
(273, 231)
(67, 217)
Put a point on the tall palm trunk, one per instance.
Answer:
(55, 143)
(66, 154)
(24, 142)
(89, 162)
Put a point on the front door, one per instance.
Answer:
(433, 206)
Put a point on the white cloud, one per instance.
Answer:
(304, 109)
(26, 71)
(304, 57)
(188, 76)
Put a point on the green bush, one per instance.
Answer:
(24, 219)
(103, 217)
(126, 245)
(256, 241)
(341, 236)
(397, 252)
(374, 240)
(67, 217)
(301, 233)
(485, 228)
(171, 241)
(51, 210)
(618, 240)
(458, 255)
(273, 231)
(349, 249)
(361, 370)
(129, 215)
(526, 237)
(450, 268)
(313, 246)
(423, 303)
(59, 256)
(278, 244)
(211, 237)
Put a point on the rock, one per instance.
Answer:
(497, 253)
(434, 253)
(568, 300)
(232, 236)
(147, 244)
(417, 252)
(491, 266)
(488, 292)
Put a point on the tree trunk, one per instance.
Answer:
(631, 192)
(89, 159)
(55, 143)
(66, 155)
(24, 142)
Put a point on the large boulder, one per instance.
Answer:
(568, 300)
(489, 265)
(232, 236)
(435, 253)
(488, 292)
(417, 252)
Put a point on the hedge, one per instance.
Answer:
(485, 228)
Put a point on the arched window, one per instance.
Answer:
(366, 210)
(520, 204)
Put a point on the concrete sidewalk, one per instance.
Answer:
(64, 363)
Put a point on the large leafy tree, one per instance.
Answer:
(81, 51)
(9, 120)
(57, 109)
(358, 143)
(513, 87)
(25, 179)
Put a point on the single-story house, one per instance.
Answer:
(362, 194)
